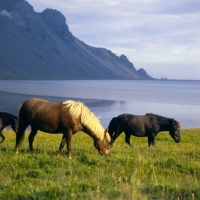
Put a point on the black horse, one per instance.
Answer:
(148, 125)
(7, 119)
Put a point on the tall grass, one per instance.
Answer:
(169, 171)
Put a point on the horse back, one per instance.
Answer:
(138, 125)
(47, 116)
(40, 112)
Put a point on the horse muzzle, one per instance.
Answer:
(177, 140)
(105, 154)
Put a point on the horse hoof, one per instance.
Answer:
(16, 152)
(58, 153)
(32, 151)
(130, 145)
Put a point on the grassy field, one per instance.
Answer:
(169, 171)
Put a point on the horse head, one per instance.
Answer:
(175, 131)
(103, 145)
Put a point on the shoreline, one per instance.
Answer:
(10, 102)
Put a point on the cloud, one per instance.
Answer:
(5, 13)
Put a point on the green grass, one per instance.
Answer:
(169, 171)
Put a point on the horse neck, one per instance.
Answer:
(164, 124)
(88, 132)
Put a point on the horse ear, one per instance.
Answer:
(108, 139)
(175, 123)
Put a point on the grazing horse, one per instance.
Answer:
(148, 125)
(7, 119)
(67, 117)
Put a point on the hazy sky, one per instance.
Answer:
(161, 36)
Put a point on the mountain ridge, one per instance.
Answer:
(40, 46)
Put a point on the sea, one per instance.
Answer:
(175, 99)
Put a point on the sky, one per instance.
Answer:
(160, 36)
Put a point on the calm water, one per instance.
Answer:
(175, 99)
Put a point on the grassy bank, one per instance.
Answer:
(169, 171)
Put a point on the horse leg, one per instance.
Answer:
(1, 129)
(151, 140)
(69, 138)
(2, 136)
(127, 139)
(66, 139)
(62, 144)
(31, 139)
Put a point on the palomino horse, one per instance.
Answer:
(7, 119)
(67, 117)
(148, 125)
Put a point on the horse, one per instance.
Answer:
(7, 119)
(66, 117)
(148, 125)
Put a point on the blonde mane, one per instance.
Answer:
(88, 119)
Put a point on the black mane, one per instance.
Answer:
(159, 116)
(175, 123)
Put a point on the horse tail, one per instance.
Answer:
(20, 133)
(112, 125)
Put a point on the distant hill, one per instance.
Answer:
(40, 46)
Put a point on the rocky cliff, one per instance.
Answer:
(40, 46)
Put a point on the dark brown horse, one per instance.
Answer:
(148, 125)
(66, 117)
(7, 119)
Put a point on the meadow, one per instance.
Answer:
(169, 171)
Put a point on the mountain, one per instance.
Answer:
(40, 46)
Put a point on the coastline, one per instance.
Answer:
(108, 99)
(10, 102)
